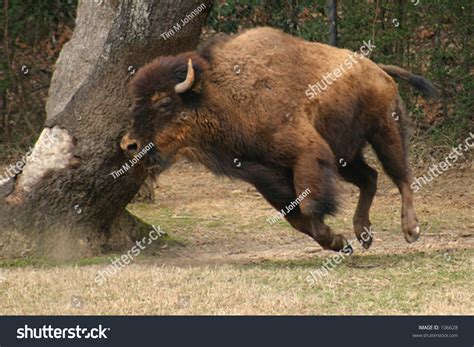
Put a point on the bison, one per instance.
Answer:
(246, 106)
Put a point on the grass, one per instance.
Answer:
(234, 262)
(45, 263)
(410, 283)
(164, 217)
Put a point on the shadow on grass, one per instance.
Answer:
(370, 261)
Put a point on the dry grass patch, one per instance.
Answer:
(400, 284)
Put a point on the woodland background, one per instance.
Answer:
(432, 38)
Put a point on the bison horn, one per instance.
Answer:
(188, 82)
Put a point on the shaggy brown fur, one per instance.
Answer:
(247, 116)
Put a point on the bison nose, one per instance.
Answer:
(129, 145)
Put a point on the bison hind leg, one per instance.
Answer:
(364, 177)
(390, 145)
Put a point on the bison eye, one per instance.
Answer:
(163, 105)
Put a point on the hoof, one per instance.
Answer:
(347, 249)
(339, 244)
(364, 235)
(366, 242)
(412, 234)
(344, 246)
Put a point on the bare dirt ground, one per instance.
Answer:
(228, 219)
(229, 260)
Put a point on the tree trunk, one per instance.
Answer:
(65, 202)
(332, 17)
(146, 193)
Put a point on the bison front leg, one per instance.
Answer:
(277, 187)
(314, 179)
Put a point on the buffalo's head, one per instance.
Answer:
(165, 92)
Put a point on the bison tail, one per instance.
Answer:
(426, 88)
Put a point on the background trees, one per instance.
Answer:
(431, 37)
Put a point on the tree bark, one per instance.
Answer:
(146, 194)
(332, 17)
(65, 203)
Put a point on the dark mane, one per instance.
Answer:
(163, 73)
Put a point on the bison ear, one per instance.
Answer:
(189, 74)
